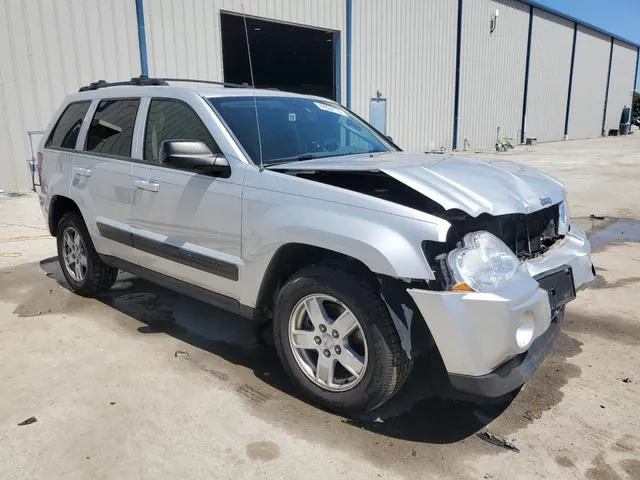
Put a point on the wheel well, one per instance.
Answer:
(293, 257)
(60, 206)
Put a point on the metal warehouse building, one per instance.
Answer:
(432, 74)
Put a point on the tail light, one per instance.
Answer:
(39, 167)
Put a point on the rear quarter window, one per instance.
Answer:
(111, 129)
(65, 133)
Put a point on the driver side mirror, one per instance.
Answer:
(388, 137)
(193, 156)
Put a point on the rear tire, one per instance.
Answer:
(374, 342)
(86, 274)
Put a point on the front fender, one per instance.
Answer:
(386, 244)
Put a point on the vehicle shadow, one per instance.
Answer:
(427, 409)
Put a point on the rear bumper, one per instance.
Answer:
(492, 343)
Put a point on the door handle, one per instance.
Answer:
(146, 185)
(82, 172)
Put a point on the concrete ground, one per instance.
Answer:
(145, 383)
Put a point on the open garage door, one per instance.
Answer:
(286, 57)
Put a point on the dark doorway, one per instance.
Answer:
(283, 56)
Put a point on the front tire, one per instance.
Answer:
(337, 341)
(86, 274)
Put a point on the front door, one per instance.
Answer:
(186, 224)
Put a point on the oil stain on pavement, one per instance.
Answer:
(264, 451)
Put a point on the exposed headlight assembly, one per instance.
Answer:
(563, 218)
(483, 263)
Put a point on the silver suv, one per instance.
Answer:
(290, 209)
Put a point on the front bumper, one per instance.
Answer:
(480, 335)
(515, 372)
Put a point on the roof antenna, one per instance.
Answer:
(253, 86)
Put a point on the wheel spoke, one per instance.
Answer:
(350, 360)
(71, 268)
(316, 311)
(76, 239)
(303, 339)
(325, 369)
(345, 324)
(78, 269)
(83, 260)
(68, 240)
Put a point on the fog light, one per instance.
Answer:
(524, 335)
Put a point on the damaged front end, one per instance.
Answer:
(503, 262)
(526, 235)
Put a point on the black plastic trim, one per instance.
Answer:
(412, 329)
(186, 257)
(515, 372)
(171, 252)
(115, 234)
(199, 293)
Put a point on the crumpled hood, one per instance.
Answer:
(495, 187)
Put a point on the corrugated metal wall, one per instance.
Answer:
(551, 45)
(47, 50)
(492, 71)
(623, 70)
(183, 36)
(407, 51)
(590, 70)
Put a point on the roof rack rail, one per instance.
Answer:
(141, 81)
(212, 82)
(146, 81)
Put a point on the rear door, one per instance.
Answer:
(187, 224)
(102, 177)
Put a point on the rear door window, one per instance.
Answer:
(111, 130)
(173, 120)
(65, 133)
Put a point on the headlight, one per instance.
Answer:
(483, 263)
(563, 218)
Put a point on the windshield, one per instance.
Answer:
(294, 129)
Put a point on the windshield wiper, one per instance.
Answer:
(312, 156)
(295, 158)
